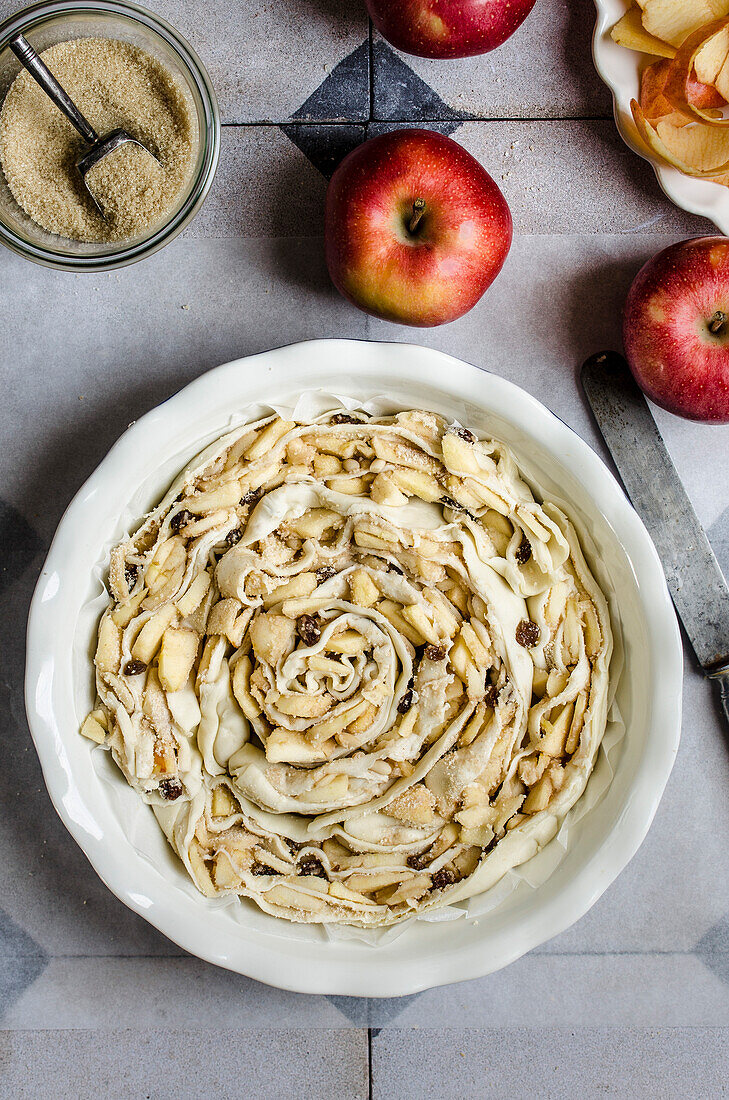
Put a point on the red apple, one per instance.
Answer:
(676, 329)
(416, 230)
(448, 28)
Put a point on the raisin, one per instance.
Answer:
(130, 575)
(308, 629)
(442, 878)
(418, 862)
(435, 652)
(262, 869)
(233, 537)
(133, 668)
(491, 697)
(325, 573)
(392, 568)
(524, 551)
(527, 633)
(344, 418)
(449, 502)
(252, 496)
(405, 703)
(170, 789)
(310, 865)
(462, 433)
(180, 519)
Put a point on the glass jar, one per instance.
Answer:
(52, 21)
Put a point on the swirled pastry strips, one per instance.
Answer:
(356, 669)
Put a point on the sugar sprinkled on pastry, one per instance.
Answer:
(355, 667)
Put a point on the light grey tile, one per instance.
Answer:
(671, 895)
(109, 348)
(693, 448)
(551, 1064)
(558, 178)
(112, 346)
(145, 993)
(182, 1064)
(545, 990)
(574, 177)
(719, 535)
(264, 187)
(245, 296)
(266, 59)
(544, 71)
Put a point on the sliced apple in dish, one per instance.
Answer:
(630, 32)
(673, 20)
(700, 150)
(692, 83)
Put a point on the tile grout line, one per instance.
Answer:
(371, 70)
(369, 1064)
(410, 121)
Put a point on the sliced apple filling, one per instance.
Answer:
(344, 660)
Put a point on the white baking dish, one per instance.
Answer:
(123, 841)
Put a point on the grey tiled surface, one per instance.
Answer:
(543, 71)
(169, 1063)
(266, 58)
(634, 998)
(553, 1063)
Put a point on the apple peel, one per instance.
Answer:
(630, 32)
(705, 54)
(674, 20)
(653, 100)
(680, 145)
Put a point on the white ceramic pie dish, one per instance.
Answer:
(92, 798)
(620, 69)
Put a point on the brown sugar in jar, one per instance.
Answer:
(114, 84)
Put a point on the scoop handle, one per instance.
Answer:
(40, 72)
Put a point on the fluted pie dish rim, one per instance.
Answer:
(424, 954)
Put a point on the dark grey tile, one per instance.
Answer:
(344, 95)
(19, 545)
(353, 1008)
(22, 960)
(325, 146)
(399, 94)
(713, 949)
(385, 1011)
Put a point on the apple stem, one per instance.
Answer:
(717, 323)
(418, 211)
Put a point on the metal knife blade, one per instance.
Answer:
(695, 580)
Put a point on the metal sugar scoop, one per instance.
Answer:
(100, 147)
